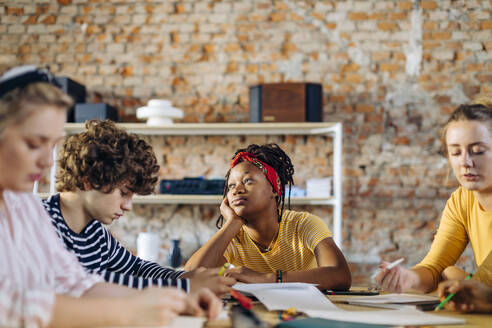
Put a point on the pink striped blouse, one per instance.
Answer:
(34, 264)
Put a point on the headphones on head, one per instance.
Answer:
(19, 77)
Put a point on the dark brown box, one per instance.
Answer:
(285, 102)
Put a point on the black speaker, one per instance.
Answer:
(286, 102)
(102, 111)
(75, 90)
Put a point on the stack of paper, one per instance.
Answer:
(393, 301)
(308, 299)
(318, 187)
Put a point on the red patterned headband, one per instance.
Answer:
(269, 171)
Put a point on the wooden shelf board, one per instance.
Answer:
(187, 129)
(215, 199)
(211, 199)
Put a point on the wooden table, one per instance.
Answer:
(472, 320)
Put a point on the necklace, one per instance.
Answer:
(260, 247)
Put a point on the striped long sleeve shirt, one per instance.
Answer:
(34, 264)
(99, 252)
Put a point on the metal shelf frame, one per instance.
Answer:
(333, 129)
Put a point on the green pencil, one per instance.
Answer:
(450, 296)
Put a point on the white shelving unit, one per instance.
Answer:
(333, 129)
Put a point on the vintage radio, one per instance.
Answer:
(285, 102)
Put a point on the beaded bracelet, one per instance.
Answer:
(279, 276)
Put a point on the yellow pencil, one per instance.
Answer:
(223, 268)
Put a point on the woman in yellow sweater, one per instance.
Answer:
(467, 217)
(265, 242)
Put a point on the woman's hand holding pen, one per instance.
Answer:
(396, 279)
(470, 295)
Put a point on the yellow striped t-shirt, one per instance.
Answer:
(299, 234)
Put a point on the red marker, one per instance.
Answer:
(245, 301)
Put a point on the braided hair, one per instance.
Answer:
(274, 156)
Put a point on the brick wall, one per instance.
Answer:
(391, 72)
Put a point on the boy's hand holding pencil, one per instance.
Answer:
(209, 278)
(224, 268)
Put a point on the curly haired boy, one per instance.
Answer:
(100, 170)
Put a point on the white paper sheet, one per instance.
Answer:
(180, 322)
(249, 288)
(188, 322)
(286, 295)
(385, 305)
(389, 317)
(391, 298)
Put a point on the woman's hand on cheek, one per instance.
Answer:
(227, 212)
(243, 274)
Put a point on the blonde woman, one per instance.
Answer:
(41, 283)
(467, 217)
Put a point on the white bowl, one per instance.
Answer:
(159, 103)
(147, 112)
(159, 112)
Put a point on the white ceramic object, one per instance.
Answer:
(159, 112)
(148, 246)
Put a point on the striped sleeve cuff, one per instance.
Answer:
(141, 283)
(183, 284)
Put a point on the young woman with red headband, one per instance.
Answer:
(263, 241)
